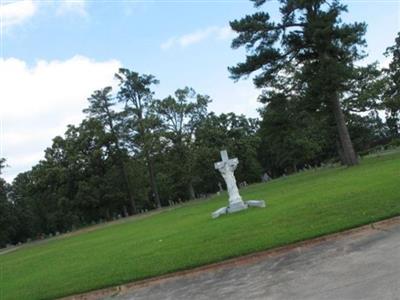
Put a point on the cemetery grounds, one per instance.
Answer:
(302, 206)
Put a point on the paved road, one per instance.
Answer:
(363, 266)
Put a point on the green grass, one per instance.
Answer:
(299, 207)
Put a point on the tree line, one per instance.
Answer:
(133, 152)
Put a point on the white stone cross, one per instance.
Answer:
(227, 168)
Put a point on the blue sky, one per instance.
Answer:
(54, 53)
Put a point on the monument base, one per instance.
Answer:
(256, 203)
(238, 206)
(218, 212)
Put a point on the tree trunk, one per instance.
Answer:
(349, 155)
(125, 211)
(153, 182)
(192, 194)
(121, 164)
(340, 151)
(393, 122)
(128, 186)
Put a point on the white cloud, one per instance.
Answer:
(16, 12)
(37, 102)
(242, 98)
(72, 7)
(219, 33)
(196, 37)
(168, 43)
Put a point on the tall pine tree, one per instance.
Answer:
(135, 92)
(101, 108)
(311, 36)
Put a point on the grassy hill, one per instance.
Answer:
(299, 207)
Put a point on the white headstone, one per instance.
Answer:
(227, 168)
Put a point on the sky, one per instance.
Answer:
(55, 53)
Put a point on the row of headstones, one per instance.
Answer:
(40, 237)
(241, 185)
(173, 203)
(179, 201)
(323, 166)
(266, 177)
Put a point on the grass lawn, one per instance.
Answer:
(299, 207)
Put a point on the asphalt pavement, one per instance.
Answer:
(361, 265)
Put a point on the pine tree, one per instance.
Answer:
(312, 37)
(101, 108)
(137, 96)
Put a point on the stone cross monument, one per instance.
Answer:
(227, 167)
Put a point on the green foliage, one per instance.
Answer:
(130, 157)
(309, 33)
(237, 134)
(6, 216)
(391, 95)
(141, 124)
(367, 131)
(7, 225)
(364, 89)
(180, 115)
(133, 152)
(71, 187)
(2, 164)
(311, 45)
(101, 108)
(292, 137)
(299, 207)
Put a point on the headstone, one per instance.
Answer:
(265, 177)
(220, 187)
(227, 167)
(243, 184)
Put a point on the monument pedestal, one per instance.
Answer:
(236, 206)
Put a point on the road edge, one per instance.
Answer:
(237, 261)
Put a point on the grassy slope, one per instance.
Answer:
(298, 207)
